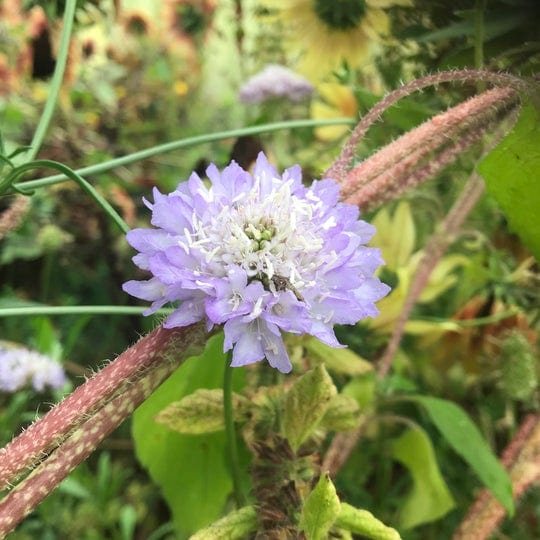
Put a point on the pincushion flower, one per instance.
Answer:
(20, 367)
(260, 254)
(275, 82)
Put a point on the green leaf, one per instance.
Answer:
(496, 23)
(201, 412)
(127, 520)
(320, 510)
(343, 413)
(512, 175)
(465, 438)
(364, 523)
(362, 390)
(335, 359)
(190, 469)
(429, 498)
(234, 526)
(305, 405)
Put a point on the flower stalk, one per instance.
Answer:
(340, 167)
(435, 249)
(80, 443)
(424, 151)
(230, 431)
(160, 347)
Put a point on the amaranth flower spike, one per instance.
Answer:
(259, 253)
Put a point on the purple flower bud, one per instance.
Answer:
(261, 254)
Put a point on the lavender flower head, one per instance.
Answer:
(275, 81)
(261, 254)
(20, 367)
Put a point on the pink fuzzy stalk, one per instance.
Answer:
(342, 164)
(160, 348)
(423, 152)
(12, 217)
(416, 157)
(19, 502)
(432, 254)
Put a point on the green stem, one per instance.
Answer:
(39, 310)
(470, 323)
(479, 40)
(183, 143)
(230, 432)
(70, 173)
(56, 81)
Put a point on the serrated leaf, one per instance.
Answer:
(320, 510)
(343, 413)
(364, 523)
(465, 438)
(343, 361)
(305, 405)
(190, 469)
(201, 412)
(234, 526)
(429, 498)
(512, 175)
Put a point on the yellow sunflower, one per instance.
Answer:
(325, 33)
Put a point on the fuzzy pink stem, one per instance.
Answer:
(432, 254)
(405, 176)
(40, 438)
(12, 217)
(341, 165)
(403, 155)
(19, 502)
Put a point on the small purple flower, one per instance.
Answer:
(19, 367)
(273, 82)
(261, 254)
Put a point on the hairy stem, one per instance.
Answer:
(341, 165)
(19, 502)
(393, 167)
(400, 178)
(56, 82)
(432, 254)
(13, 216)
(31, 446)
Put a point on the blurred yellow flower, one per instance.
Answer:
(327, 33)
(396, 238)
(338, 102)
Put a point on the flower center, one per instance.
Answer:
(268, 232)
(340, 14)
(259, 234)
